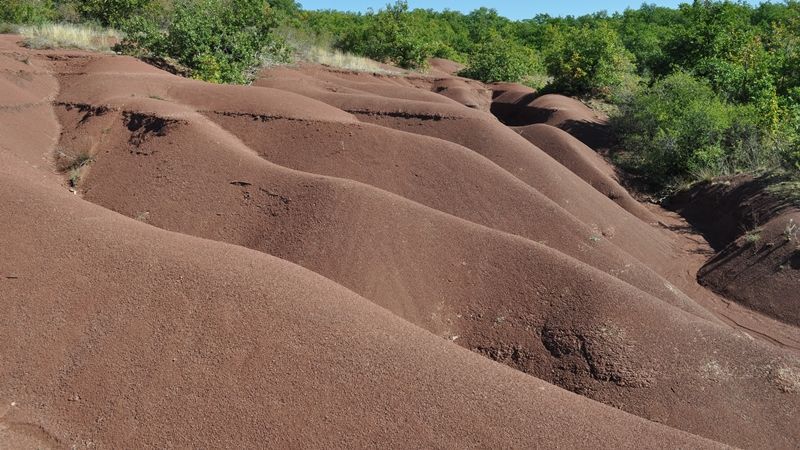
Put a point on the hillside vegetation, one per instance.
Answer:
(707, 89)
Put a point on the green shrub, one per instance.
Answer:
(790, 131)
(484, 22)
(498, 59)
(586, 59)
(219, 40)
(680, 129)
(390, 36)
(442, 50)
(441, 34)
(646, 32)
(26, 11)
(285, 7)
(113, 13)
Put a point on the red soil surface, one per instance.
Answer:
(584, 162)
(332, 258)
(756, 235)
(444, 67)
(517, 105)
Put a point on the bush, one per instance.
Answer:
(680, 129)
(390, 36)
(26, 11)
(498, 59)
(791, 131)
(113, 13)
(221, 41)
(646, 32)
(586, 59)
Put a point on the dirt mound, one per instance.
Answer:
(585, 163)
(444, 67)
(300, 255)
(760, 269)
(510, 103)
(376, 86)
(467, 92)
(516, 106)
(443, 176)
(757, 236)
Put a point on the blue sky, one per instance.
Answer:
(511, 9)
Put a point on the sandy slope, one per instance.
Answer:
(123, 335)
(486, 136)
(756, 238)
(413, 220)
(517, 105)
(584, 162)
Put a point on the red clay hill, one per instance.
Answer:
(328, 258)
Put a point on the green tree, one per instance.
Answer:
(712, 30)
(586, 59)
(26, 11)
(782, 41)
(498, 59)
(219, 40)
(445, 31)
(720, 44)
(113, 13)
(680, 128)
(457, 38)
(645, 32)
(482, 23)
(390, 36)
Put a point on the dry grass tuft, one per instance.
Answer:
(788, 379)
(74, 165)
(313, 48)
(341, 60)
(714, 371)
(6, 28)
(60, 35)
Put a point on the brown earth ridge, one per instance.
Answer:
(330, 258)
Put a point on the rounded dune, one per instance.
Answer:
(584, 162)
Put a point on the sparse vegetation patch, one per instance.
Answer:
(753, 236)
(64, 35)
(73, 165)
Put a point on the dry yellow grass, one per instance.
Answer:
(341, 60)
(59, 35)
(313, 48)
